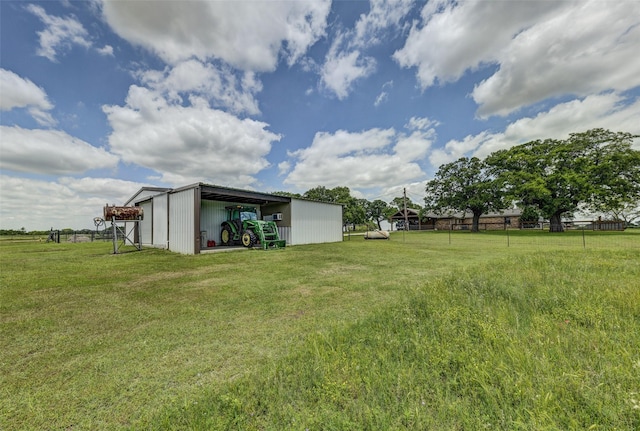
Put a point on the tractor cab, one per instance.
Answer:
(248, 215)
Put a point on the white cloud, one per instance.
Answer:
(110, 190)
(421, 123)
(370, 159)
(60, 33)
(599, 53)
(454, 37)
(106, 50)
(414, 146)
(284, 167)
(384, 95)
(65, 203)
(609, 111)
(543, 49)
(250, 36)
(383, 14)
(20, 92)
(455, 149)
(346, 62)
(219, 85)
(50, 152)
(341, 70)
(188, 143)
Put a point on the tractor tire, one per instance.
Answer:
(249, 238)
(226, 236)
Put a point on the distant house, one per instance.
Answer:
(458, 220)
(413, 219)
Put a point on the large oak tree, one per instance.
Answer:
(597, 169)
(464, 185)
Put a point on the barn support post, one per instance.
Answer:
(197, 202)
(115, 235)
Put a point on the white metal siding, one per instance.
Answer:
(212, 214)
(284, 232)
(146, 224)
(181, 221)
(315, 222)
(160, 221)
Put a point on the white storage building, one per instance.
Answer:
(185, 219)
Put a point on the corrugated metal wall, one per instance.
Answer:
(181, 221)
(315, 222)
(212, 214)
(146, 225)
(284, 232)
(161, 221)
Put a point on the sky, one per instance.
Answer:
(100, 98)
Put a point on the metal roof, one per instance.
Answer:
(150, 192)
(216, 193)
(224, 194)
(411, 213)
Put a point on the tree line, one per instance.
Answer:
(596, 171)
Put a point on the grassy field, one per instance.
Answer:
(427, 331)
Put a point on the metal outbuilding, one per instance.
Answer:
(185, 219)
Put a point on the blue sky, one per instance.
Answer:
(100, 98)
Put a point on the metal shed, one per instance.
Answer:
(185, 219)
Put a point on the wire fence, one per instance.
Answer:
(542, 237)
(576, 234)
(58, 236)
(596, 225)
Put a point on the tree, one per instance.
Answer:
(377, 211)
(529, 217)
(628, 212)
(336, 195)
(596, 169)
(399, 203)
(356, 211)
(287, 194)
(464, 185)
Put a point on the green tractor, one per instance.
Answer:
(243, 227)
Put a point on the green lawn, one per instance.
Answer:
(425, 331)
